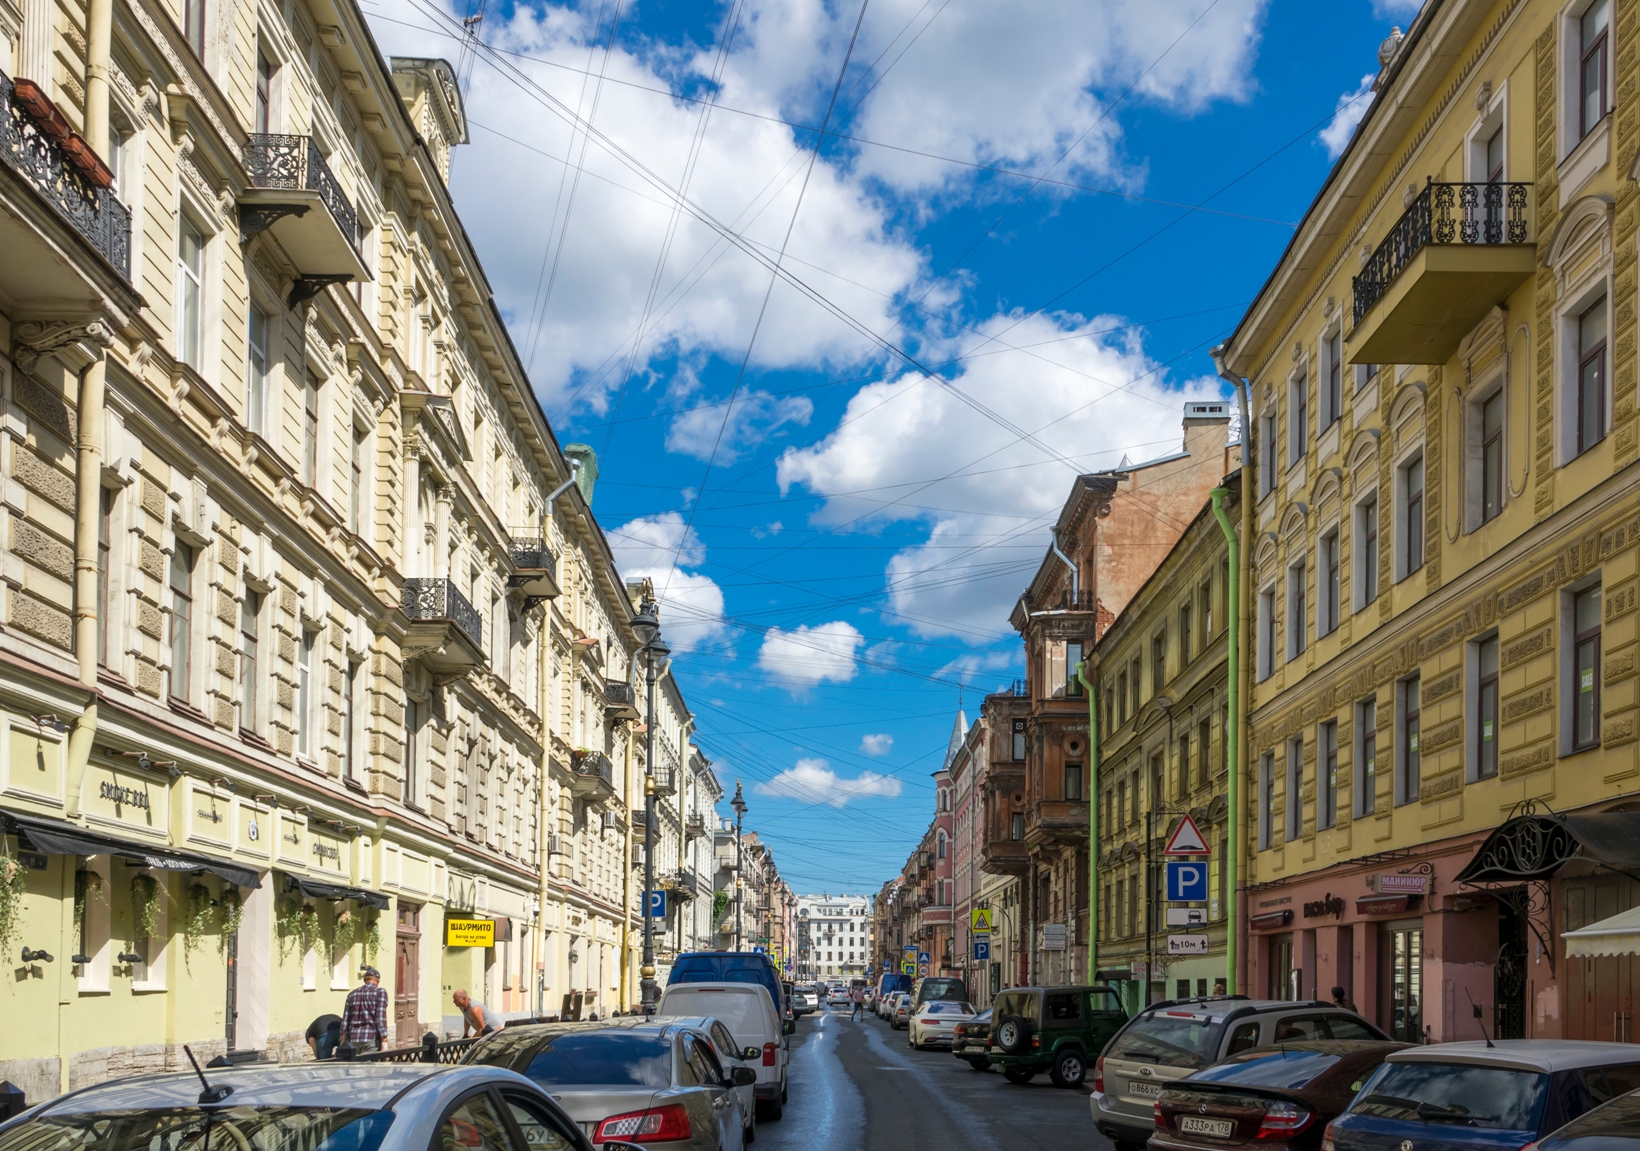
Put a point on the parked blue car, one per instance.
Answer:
(1470, 1096)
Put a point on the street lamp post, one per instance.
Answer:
(739, 804)
(647, 625)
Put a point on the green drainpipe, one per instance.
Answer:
(1093, 820)
(1232, 739)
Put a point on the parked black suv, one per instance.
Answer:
(1060, 1030)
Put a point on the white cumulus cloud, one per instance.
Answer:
(807, 655)
(702, 430)
(813, 781)
(876, 744)
(661, 547)
(1351, 107)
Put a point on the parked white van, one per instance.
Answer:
(754, 1021)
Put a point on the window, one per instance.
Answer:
(1365, 374)
(105, 602)
(1073, 660)
(1184, 636)
(193, 25)
(1327, 616)
(412, 734)
(190, 292)
(355, 482)
(1594, 48)
(1184, 764)
(1486, 709)
(1408, 777)
(1586, 669)
(310, 431)
(1406, 982)
(1266, 799)
(264, 94)
(1158, 788)
(1326, 798)
(1158, 662)
(1412, 540)
(1203, 766)
(940, 845)
(1494, 156)
(1295, 788)
(1073, 781)
(1019, 741)
(1297, 610)
(304, 693)
(1298, 431)
(350, 721)
(1016, 830)
(1122, 694)
(1121, 805)
(1366, 773)
(1591, 376)
(1267, 454)
(1133, 685)
(1332, 399)
(1266, 632)
(1205, 598)
(256, 372)
(1491, 456)
(250, 612)
(182, 619)
(1367, 551)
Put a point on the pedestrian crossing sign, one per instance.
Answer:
(981, 919)
(908, 967)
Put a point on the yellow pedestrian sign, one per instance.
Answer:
(981, 919)
(908, 967)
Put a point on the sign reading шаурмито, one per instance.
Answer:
(469, 933)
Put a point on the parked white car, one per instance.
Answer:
(933, 1023)
(752, 1018)
(805, 1002)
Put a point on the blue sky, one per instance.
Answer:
(1003, 264)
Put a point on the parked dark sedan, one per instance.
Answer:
(1281, 1097)
(1613, 1126)
(969, 1040)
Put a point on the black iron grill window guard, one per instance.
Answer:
(274, 160)
(94, 212)
(435, 599)
(1445, 213)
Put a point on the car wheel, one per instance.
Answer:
(771, 1109)
(1069, 1069)
(979, 1064)
(1019, 1075)
(782, 1091)
(748, 1134)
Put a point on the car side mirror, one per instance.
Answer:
(743, 1076)
(789, 1027)
(751, 1053)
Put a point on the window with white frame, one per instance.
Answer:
(1326, 779)
(356, 494)
(259, 349)
(1590, 390)
(1483, 706)
(250, 620)
(1267, 631)
(1332, 379)
(1593, 66)
(181, 582)
(1365, 374)
(306, 691)
(1408, 777)
(190, 292)
(1409, 492)
(1366, 757)
(1329, 579)
(310, 430)
(93, 951)
(1267, 454)
(1580, 663)
(352, 709)
(1298, 609)
(1298, 418)
(1295, 787)
(106, 601)
(1364, 583)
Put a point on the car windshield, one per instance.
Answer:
(1170, 1040)
(204, 1129)
(1289, 1070)
(1455, 1094)
(941, 989)
(601, 1058)
(744, 1012)
(945, 1007)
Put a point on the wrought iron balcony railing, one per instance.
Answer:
(436, 599)
(593, 765)
(619, 694)
(1443, 214)
(51, 158)
(694, 825)
(530, 553)
(273, 160)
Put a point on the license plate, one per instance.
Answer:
(1142, 1087)
(1196, 1125)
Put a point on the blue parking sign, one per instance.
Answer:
(657, 905)
(1187, 882)
(982, 949)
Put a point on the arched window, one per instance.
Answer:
(942, 845)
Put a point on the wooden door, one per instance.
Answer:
(407, 979)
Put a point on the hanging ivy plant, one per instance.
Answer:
(342, 930)
(372, 935)
(307, 925)
(287, 921)
(200, 914)
(11, 899)
(88, 885)
(232, 910)
(144, 905)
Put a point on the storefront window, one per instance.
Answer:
(1406, 982)
(1283, 977)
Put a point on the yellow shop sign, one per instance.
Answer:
(469, 933)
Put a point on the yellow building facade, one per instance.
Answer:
(1441, 378)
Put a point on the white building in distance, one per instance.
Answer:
(833, 936)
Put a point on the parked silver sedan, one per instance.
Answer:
(358, 1106)
(638, 1080)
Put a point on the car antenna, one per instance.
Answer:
(1478, 1019)
(211, 1094)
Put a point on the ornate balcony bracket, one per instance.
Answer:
(307, 287)
(258, 218)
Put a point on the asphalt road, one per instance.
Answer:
(857, 1086)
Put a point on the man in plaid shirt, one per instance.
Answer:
(364, 1016)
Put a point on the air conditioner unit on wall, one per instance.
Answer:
(609, 821)
(555, 845)
(637, 855)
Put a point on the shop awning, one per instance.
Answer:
(1535, 845)
(314, 889)
(1619, 935)
(57, 838)
(1271, 921)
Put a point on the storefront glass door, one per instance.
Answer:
(1406, 982)
(1283, 978)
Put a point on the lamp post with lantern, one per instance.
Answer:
(647, 626)
(739, 804)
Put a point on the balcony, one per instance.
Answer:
(1059, 822)
(45, 163)
(1455, 253)
(445, 633)
(592, 775)
(682, 883)
(662, 783)
(695, 826)
(294, 195)
(1003, 857)
(535, 571)
(620, 700)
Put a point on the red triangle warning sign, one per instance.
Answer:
(1187, 839)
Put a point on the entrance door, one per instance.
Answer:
(1283, 976)
(1401, 962)
(230, 1010)
(407, 978)
(1509, 974)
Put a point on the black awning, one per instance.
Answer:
(1534, 846)
(317, 890)
(57, 838)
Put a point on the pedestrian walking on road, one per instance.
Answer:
(858, 998)
(364, 1015)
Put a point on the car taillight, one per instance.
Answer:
(1099, 1075)
(656, 1125)
(1327, 1140)
(1036, 1041)
(1532, 1146)
(959, 1031)
(1156, 1110)
(1282, 1120)
(768, 1054)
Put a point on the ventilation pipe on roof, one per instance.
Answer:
(574, 473)
(1066, 560)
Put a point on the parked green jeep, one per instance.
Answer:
(1060, 1030)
